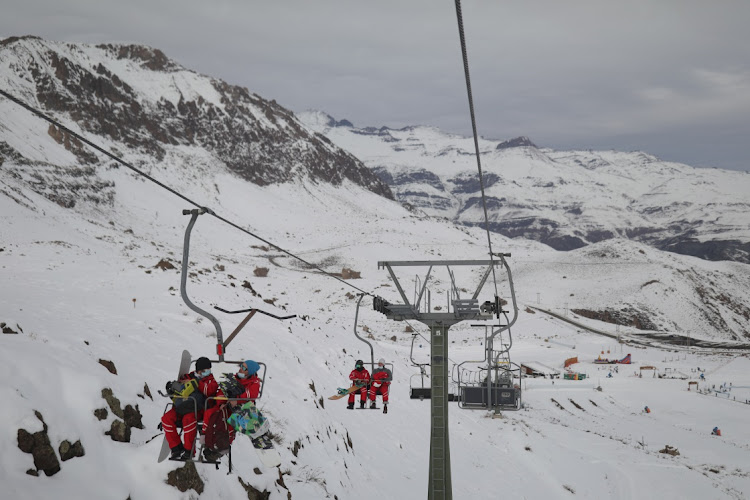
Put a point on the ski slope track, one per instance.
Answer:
(85, 248)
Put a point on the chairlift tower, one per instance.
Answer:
(457, 310)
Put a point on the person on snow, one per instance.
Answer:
(190, 408)
(360, 377)
(381, 381)
(647, 409)
(716, 432)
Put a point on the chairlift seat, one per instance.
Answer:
(476, 396)
(466, 307)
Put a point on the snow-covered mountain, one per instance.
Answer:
(151, 106)
(85, 255)
(565, 199)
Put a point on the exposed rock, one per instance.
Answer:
(246, 284)
(113, 402)
(164, 265)
(261, 272)
(349, 274)
(68, 451)
(133, 417)
(253, 493)
(147, 392)
(101, 413)
(186, 478)
(625, 317)
(25, 441)
(119, 431)
(109, 365)
(39, 446)
(7, 329)
(32, 472)
(670, 451)
(518, 142)
(257, 139)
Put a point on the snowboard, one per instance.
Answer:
(345, 392)
(266, 452)
(184, 368)
(249, 420)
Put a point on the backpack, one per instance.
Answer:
(186, 398)
(217, 436)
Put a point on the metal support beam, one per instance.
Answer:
(440, 487)
(194, 213)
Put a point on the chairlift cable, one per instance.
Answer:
(459, 18)
(171, 190)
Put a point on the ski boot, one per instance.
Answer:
(177, 452)
(361, 405)
(350, 406)
(385, 407)
(210, 455)
(187, 455)
(372, 406)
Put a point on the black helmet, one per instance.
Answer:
(359, 364)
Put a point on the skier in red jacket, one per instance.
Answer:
(381, 381)
(360, 377)
(247, 376)
(186, 411)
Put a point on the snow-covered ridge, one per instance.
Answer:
(137, 99)
(565, 199)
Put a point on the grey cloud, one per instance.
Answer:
(626, 75)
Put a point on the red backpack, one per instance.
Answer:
(217, 430)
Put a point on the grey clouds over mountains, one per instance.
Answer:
(670, 78)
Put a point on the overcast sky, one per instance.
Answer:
(668, 77)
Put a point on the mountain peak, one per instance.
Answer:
(517, 142)
(153, 105)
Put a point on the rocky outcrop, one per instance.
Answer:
(257, 139)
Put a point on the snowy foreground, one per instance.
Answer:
(82, 285)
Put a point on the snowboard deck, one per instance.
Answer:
(184, 368)
(343, 394)
(266, 452)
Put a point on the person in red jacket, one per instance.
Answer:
(186, 412)
(360, 377)
(247, 376)
(381, 381)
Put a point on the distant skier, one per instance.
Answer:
(360, 377)
(647, 409)
(381, 382)
(185, 411)
(716, 432)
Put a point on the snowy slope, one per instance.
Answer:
(71, 276)
(80, 284)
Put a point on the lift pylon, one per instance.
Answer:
(439, 320)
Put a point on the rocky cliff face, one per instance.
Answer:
(565, 199)
(141, 102)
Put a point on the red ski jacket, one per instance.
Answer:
(381, 376)
(360, 376)
(252, 388)
(208, 386)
